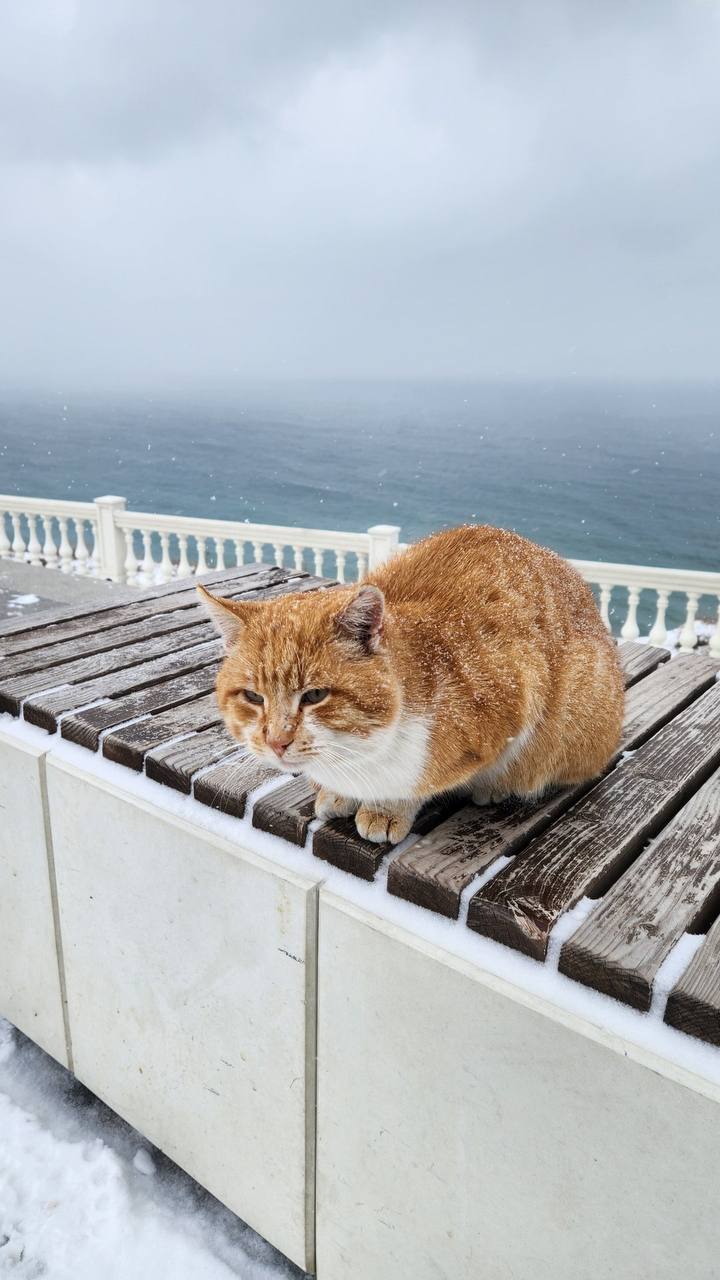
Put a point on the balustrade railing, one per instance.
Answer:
(140, 548)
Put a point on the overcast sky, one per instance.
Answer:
(204, 189)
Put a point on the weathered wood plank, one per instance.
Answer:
(130, 744)
(694, 1004)
(44, 709)
(436, 870)
(668, 891)
(17, 688)
(638, 660)
(107, 675)
(288, 811)
(584, 854)
(175, 763)
(654, 700)
(227, 787)
(11, 627)
(125, 626)
(339, 843)
(85, 727)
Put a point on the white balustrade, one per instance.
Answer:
(131, 564)
(34, 549)
(101, 538)
(18, 541)
(201, 564)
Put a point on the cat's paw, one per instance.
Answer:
(328, 804)
(384, 825)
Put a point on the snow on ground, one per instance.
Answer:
(84, 1197)
(17, 602)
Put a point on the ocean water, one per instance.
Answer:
(608, 472)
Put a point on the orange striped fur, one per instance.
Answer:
(475, 657)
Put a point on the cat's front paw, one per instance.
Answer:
(384, 825)
(328, 804)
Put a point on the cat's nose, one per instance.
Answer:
(279, 745)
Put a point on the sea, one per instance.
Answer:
(597, 471)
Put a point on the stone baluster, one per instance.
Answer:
(164, 570)
(50, 552)
(340, 557)
(82, 554)
(94, 566)
(239, 551)
(298, 559)
(318, 558)
(34, 548)
(362, 565)
(147, 568)
(658, 635)
(688, 639)
(65, 550)
(184, 569)
(202, 564)
(131, 564)
(278, 554)
(714, 645)
(18, 540)
(630, 629)
(5, 543)
(257, 552)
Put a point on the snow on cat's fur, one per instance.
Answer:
(475, 657)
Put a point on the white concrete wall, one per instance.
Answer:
(30, 982)
(190, 969)
(467, 1131)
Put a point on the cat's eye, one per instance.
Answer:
(311, 696)
(251, 696)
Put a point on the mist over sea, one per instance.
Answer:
(600, 471)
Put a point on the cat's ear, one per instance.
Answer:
(362, 619)
(229, 616)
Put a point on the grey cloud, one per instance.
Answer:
(202, 191)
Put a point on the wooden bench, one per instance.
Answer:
(615, 884)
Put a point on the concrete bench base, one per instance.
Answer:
(30, 966)
(190, 969)
(466, 1129)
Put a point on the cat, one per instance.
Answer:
(474, 658)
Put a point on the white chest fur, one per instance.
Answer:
(386, 766)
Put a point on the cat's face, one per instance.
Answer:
(302, 673)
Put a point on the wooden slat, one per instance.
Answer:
(119, 629)
(339, 843)
(668, 891)
(109, 641)
(14, 690)
(227, 787)
(288, 811)
(436, 870)
(638, 660)
(44, 709)
(654, 700)
(694, 1004)
(85, 727)
(14, 627)
(176, 763)
(585, 853)
(128, 746)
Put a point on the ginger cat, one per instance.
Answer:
(475, 657)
